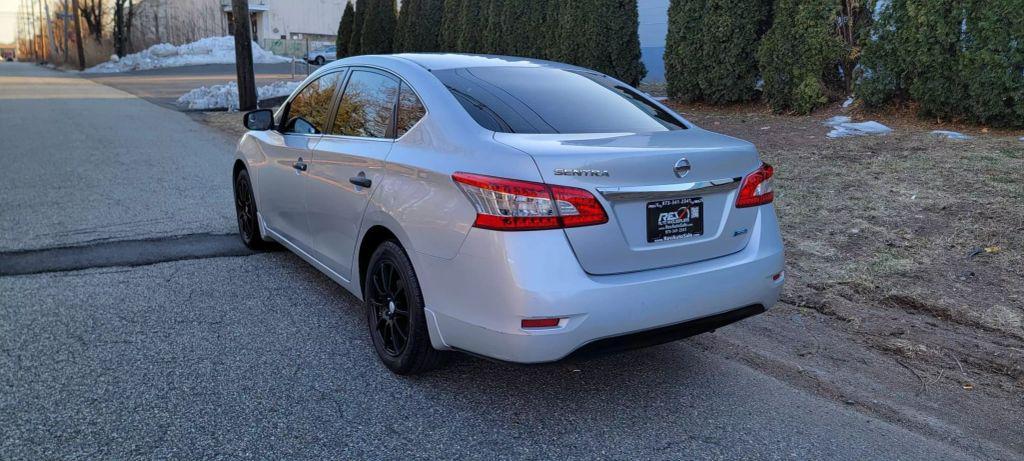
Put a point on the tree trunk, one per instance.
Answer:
(243, 55)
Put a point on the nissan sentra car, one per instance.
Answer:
(510, 208)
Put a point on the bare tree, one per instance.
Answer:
(92, 12)
(124, 15)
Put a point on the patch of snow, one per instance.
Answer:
(848, 102)
(210, 50)
(951, 135)
(226, 96)
(1021, 139)
(837, 120)
(844, 128)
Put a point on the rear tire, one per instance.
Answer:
(245, 211)
(319, 60)
(394, 313)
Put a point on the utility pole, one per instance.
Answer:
(78, 35)
(243, 55)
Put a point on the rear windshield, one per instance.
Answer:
(550, 100)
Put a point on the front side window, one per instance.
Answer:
(410, 110)
(366, 106)
(309, 110)
(552, 100)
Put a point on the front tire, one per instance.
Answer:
(245, 211)
(319, 60)
(394, 313)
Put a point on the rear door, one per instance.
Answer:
(283, 181)
(349, 164)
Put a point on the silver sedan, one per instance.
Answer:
(516, 209)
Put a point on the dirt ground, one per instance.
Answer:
(905, 271)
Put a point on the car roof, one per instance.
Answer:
(443, 61)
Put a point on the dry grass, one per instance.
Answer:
(915, 244)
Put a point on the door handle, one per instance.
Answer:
(361, 181)
(300, 165)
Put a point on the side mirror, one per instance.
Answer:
(259, 120)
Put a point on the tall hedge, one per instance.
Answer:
(450, 23)
(800, 55)
(600, 35)
(355, 42)
(518, 27)
(956, 59)
(711, 49)
(472, 21)
(993, 62)
(378, 28)
(419, 26)
(341, 44)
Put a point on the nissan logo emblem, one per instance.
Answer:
(682, 167)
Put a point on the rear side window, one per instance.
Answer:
(551, 100)
(410, 110)
(309, 111)
(366, 106)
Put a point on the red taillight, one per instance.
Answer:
(756, 188)
(510, 204)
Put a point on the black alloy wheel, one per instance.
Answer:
(394, 312)
(245, 210)
(391, 307)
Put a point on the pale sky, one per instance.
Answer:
(8, 20)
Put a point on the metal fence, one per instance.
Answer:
(292, 48)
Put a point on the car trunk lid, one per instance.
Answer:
(657, 218)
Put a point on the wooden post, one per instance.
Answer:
(243, 55)
(78, 35)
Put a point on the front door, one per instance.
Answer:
(348, 165)
(284, 179)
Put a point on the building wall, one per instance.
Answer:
(653, 28)
(286, 17)
(183, 21)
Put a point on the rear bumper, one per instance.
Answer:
(666, 334)
(476, 301)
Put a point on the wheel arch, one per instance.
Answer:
(372, 238)
(239, 166)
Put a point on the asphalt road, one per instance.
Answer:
(208, 355)
(165, 86)
(83, 162)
